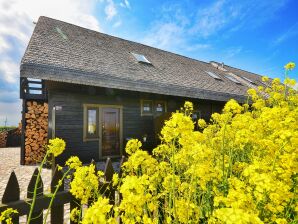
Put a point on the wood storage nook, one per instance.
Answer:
(36, 131)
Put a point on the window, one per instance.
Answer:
(150, 107)
(160, 107)
(249, 80)
(213, 75)
(146, 107)
(141, 58)
(91, 123)
(233, 79)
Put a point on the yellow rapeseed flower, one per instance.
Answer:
(75, 214)
(6, 216)
(132, 146)
(84, 183)
(98, 212)
(290, 66)
(265, 79)
(56, 146)
(241, 168)
(73, 162)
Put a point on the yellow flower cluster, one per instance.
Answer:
(6, 216)
(75, 215)
(242, 167)
(98, 213)
(73, 162)
(132, 146)
(84, 184)
(290, 66)
(56, 146)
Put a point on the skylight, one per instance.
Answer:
(232, 79)
(141, 58)
(213, 75)
(61, 33)
(249, 80)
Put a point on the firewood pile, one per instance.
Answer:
(36, 131)
(3, 139)
(14, 137)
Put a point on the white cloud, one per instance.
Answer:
(196, 47)
(117, 24)
(16, 17)
(110, 10)
(11, 112)
(291, 32)
(16, 26)
(4, 45)
(9, 69)
(231, 16)
(212, 18)
(164, 36)
(232, 52)
(125, 4)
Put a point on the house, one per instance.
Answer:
(97, 91)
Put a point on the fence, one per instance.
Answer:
(11, 196)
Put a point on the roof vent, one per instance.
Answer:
(218, 66)
(213, 75)
(141, 58)
(214, 64)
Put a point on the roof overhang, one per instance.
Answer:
(51, 73)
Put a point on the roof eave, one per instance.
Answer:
(66, 75)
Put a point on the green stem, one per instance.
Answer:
(286, 76)
(172, 193)
(222, 150)
(275, 158)
(53, 196)
(35, 188)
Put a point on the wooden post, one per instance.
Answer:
(74, 204)
(37, 217)
(108, 188)
(123, 160)
(22, 158)
(53, 135)
(57, 212)
(109, 170)
(12, 193)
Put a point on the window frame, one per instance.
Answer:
(86, 135)
(164, 104)
(153, 107)
(145, 113)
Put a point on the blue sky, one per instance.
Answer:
(258, 36)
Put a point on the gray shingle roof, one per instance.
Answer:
(64, 52)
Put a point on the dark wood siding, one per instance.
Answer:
(69, 120)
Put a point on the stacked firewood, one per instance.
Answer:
(36, 131)
(3, 139)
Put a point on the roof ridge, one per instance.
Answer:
(244, 70)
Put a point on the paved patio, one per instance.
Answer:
(10, 161)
